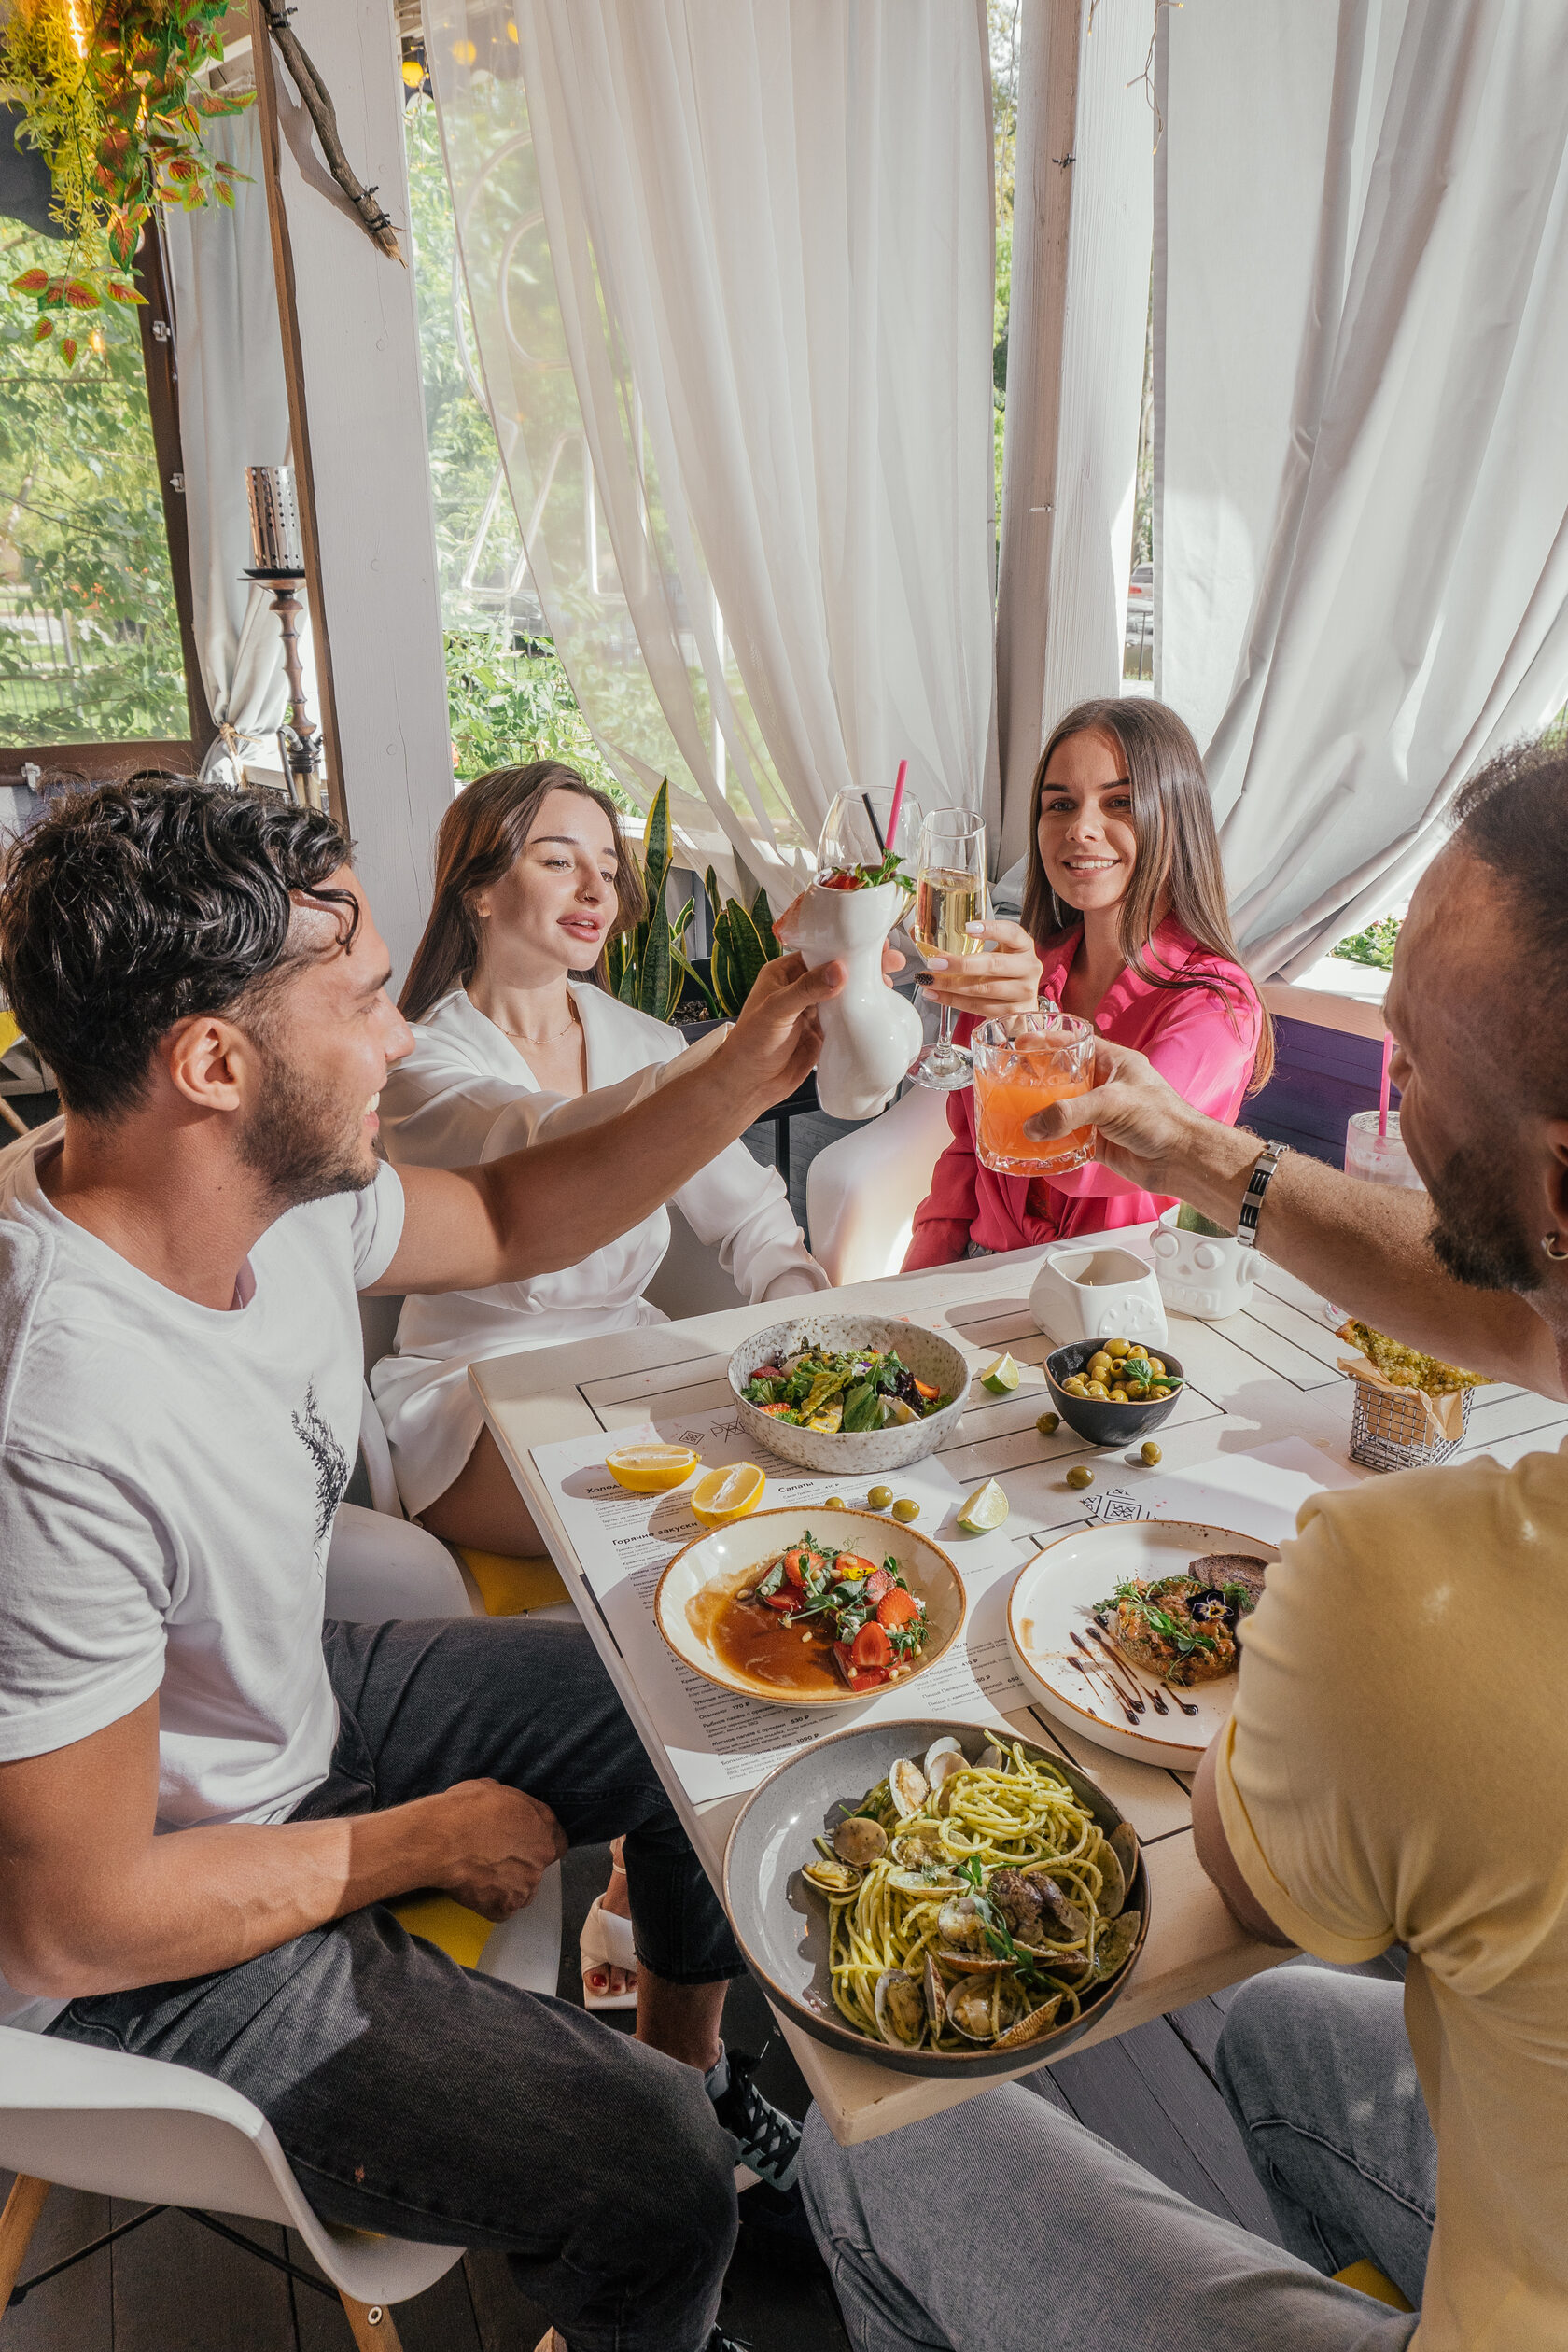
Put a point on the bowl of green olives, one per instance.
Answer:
(1113, 1391)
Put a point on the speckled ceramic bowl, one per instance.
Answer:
(931, 1358)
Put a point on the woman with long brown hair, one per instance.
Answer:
(1125, 924)
(533, 879)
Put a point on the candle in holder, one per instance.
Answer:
(275, 521)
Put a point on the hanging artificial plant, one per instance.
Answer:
(109, 96)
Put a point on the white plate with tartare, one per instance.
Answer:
(1126, 1633)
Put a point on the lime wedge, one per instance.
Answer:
(987, 1507)
(1003, 1377)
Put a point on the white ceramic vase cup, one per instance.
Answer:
(1094, 1289)
(1204, 1275)
(870, 1035)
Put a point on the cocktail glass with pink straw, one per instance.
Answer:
(1373, 1148)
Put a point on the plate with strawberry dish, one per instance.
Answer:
(813, 1608)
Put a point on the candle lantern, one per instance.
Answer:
(278, 564)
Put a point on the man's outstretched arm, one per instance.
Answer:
(556, 1202)
(1363, 1245)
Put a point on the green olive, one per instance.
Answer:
(1118, 1396)
(1157, 1391)
(1097, 1366)
(835, 1502)
(1048, 1424)
(1079, 1477)
(880, 1497)
(1157, 1366)
(1118, 1346)
(1077, 1386)
(1137, 1392)
(906, 1510)
(1149, 1454)
(1097, 1390)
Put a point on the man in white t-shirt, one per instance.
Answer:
(181, 1371)
(1394, 1771)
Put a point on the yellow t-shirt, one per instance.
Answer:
(1396, 1768)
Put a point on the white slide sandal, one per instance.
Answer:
(607, 1942)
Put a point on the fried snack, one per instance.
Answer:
(1406, 1367)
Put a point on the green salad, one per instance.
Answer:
(868, 1388)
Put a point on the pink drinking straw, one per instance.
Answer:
(898, 802)
(1383, 1087)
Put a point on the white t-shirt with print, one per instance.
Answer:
(168, 1478)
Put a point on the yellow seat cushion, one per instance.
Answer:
(11, 1029)
(1367, 2279)
(510, 1588)
(451, 1926)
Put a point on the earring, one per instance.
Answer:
(1558, 1255)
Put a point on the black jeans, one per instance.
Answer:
(417, 2099)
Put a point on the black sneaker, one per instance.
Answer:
(774, 2229)
(767, 2142)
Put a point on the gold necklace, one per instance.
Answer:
(522, 1037)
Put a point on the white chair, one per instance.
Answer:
(161, 2134)
(861, 1192)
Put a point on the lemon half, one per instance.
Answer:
(731, 1494)
(647, 1469)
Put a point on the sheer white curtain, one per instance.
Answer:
(730, 264)
(1362, 492)
(233, 410)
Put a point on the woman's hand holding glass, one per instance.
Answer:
(1000, 980)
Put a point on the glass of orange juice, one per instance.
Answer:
(1023, 1062)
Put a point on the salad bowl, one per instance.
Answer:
(853, 1454)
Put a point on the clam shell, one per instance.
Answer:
(1125, 1839)
(990, 1759)
(860, 1841)
(900, 1995)
(947, 1746)
(1113, 1887)
(936, 1992)
(831, 1877)
(1030, 2028)
(941, 1769)
(982, 2011)
(1114, 1947)
(915, 1882)
(906, 1785)
(973, 1963)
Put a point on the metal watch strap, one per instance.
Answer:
(1258, 1183)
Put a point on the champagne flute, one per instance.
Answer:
(950, 895)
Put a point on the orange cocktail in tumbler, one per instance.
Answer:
(1022, 1064)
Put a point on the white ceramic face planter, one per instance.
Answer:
(1088, 1292)
(1204, 1275)
(870, 1036)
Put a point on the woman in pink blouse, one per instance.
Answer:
(1125, 925)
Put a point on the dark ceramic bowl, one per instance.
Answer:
(1105, 1424)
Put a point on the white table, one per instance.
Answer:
(1269, 1373)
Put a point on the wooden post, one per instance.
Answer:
(372, 2325)
(1082, 232)
(357, 415)
(17, 2225)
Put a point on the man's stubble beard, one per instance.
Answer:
(1476, 1236)
(298, 1141)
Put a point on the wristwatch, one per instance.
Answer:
(1258, 1183)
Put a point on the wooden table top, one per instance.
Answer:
(1266, 1373)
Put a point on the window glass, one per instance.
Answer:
(89, 636)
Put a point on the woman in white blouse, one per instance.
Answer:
(532, 879)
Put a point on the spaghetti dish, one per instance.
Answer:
(973, 1903)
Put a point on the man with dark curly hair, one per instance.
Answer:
(179, 1258)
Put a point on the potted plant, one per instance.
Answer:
(649, 966)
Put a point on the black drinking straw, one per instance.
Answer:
(874, 826)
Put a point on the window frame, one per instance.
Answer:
(103, 762)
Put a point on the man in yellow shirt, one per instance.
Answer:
(1395, 1770)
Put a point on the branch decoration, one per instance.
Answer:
(318, 105)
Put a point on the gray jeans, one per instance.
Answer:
(419, 2100)
(1004, 2226)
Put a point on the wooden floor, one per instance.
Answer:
(173, 2286)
